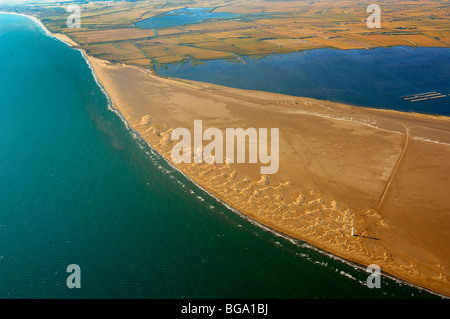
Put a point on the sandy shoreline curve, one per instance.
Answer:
(309, 201)
(302, 200)
(384, 173)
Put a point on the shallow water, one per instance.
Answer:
(374, 78)
(182, 17)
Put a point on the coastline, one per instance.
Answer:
(229, 182)
(278, 232)
(191, 175)
(157, 135)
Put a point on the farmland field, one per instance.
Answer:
(223, 30)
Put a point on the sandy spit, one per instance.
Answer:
(385, 174)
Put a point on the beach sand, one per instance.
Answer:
(66, 39)
(384, 173)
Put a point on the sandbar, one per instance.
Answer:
(385, 174)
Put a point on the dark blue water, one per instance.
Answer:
(78, 187)
(182, 17)
(373, 78)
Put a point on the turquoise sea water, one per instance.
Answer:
(78, 187)
(374, 78)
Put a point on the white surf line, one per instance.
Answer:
(34, 18)
(83, 54)
(129, 127)
(363, 268)
(40, 24)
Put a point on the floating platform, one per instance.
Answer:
(423, 96)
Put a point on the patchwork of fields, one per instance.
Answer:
(108, 29)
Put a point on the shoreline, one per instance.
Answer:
(131, 122)
(264, 227)
(277, 230)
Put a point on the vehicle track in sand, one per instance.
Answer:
(394, 171)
